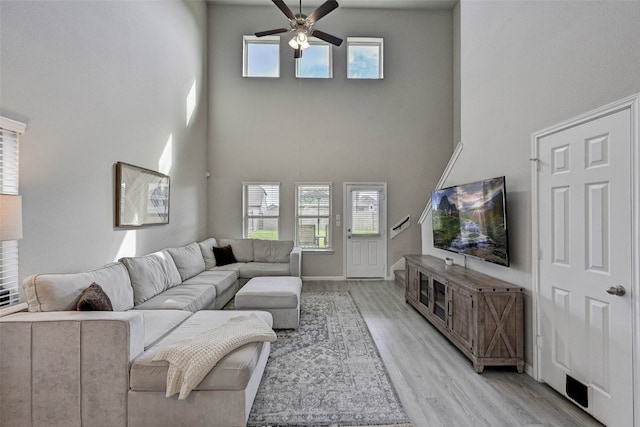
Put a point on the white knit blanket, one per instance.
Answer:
(191, 359)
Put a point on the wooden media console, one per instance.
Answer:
(481, 315)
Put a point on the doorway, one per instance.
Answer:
(365, 235)
(585, 235)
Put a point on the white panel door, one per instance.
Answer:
(584, 196)
(365, 228)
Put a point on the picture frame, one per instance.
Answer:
(142, 196)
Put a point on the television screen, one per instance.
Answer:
(471, 219)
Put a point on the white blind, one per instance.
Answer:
(8, 162)
(313, 216)
(365, 211)
(9, 281)
(261, 210)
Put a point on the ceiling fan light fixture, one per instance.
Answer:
(294, 43)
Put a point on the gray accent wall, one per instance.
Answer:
(398, 130)
(99, 82)
(526, 66)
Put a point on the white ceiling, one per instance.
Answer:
(371, 4)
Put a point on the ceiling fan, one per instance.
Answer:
(302, 26)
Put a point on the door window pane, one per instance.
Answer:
(365, 212)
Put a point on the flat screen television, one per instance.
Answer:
(471, 219)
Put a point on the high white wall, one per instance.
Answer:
(397, 130)
(525, 66)
(97, 83)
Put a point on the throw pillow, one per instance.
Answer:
(224, 255)
(94, 298)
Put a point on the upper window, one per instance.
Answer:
(365, 58)
(260, 210)
(313, 216)
(316, 61)
(261, 56)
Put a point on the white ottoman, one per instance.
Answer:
(279, 295)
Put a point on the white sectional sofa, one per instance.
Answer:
(62, 367)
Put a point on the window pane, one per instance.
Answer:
(365, 208)
(365, 58)
(261, 56)
(313, 216)
(261, 205)
(315, 62)
(313, 201)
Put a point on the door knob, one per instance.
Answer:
(617, 290)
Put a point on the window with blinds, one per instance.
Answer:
(260, 210)
(313, 216)
(9, 281)
(365, 212)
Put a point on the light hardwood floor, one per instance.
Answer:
(435, 382)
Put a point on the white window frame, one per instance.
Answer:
(328, 240)
(10, 131)
(249, 40)
(366, 41)
(248, 216)
(313, 41)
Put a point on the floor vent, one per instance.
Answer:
(578, 392)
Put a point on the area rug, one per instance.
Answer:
(328, 372)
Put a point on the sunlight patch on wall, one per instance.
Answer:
(166, 159)
(128, 245)
(191, 102)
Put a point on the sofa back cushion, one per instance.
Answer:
(206, 247)
(151, 274)
(242, 248)
(272, 250)
(61, 292)
(188, 260)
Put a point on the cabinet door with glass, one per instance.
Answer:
(438, 307)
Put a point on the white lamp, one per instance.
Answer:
(10, 217)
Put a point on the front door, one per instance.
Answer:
(365, 229)
(585, 265)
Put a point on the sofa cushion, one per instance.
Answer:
(224, 256)
(188, 260)
(256, 269)
(94, 298)
(158, 323)
(151, 274)
(182, 297)
(231, 373)
(229, 267)
(61, 292)
(242, 248)
(206, 247)
(272, 250)
(191, 359)
(220, 279)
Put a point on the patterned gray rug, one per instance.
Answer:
(328, 372)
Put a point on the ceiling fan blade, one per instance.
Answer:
(269, 32)
(297, 53)
(285, 9)
(323, 10)
(327, 37)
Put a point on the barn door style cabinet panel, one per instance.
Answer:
(480, 314)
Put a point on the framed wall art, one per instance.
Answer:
(142, 196)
